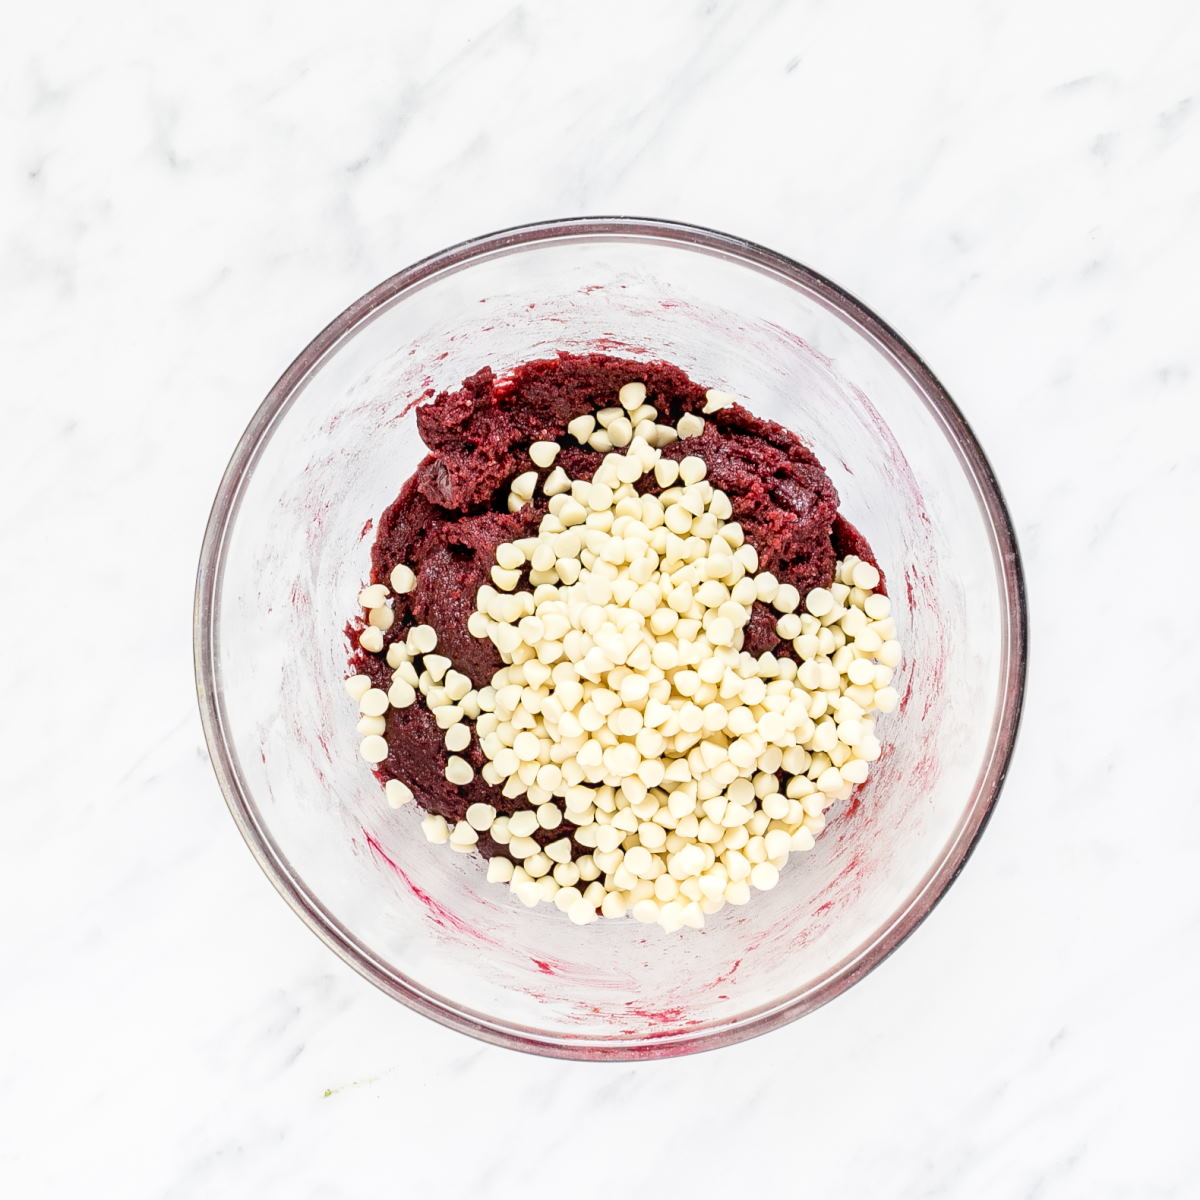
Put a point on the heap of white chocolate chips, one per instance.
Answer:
(689, 768)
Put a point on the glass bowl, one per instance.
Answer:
(287, 548)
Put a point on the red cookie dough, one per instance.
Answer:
(452, 514)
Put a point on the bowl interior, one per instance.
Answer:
(289, 548)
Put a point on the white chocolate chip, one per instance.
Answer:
(865, 576)
(459, 771)
(715, 400)
(620, 432)
(543, 454)
(582, 427)
(397, 792)
(557, 482)
(458, 736)
(499, 869)
(631, 396)
(373, 595)
(559, 851)
(524, 484)
(435, 829)
(523, 822)
(787, 599)
(403, 579)
(819, 602)
(374, 749)
(437, 665)
(480, 816)
(666, 472)
(447, 715)
(422, 639)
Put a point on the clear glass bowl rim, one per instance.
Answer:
(341, 940)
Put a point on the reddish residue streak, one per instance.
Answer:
(848, 869)
(544, 967)
(662, 1016)
(737, 962)
(441, 915)
(851, 868)
(368, 525)
(656, 1034)
(381, 852)
(681, 1027)
(407, 408)
(926, 769)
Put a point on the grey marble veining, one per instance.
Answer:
(185, 199)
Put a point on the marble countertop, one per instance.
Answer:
(186, 200)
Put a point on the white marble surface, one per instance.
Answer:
(186, 197)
